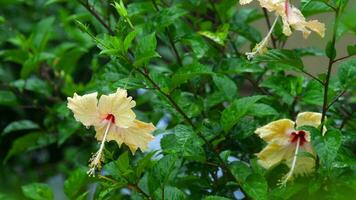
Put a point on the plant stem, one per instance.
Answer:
(330, 65)
(233, 45)
(336, 98)
(92, 11)
(342, 58)
(312, 76)
(189, 121)
(170, 38)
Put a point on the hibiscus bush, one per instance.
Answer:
(171, 100)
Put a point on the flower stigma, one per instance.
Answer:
(95, 161)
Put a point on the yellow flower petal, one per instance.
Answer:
(298, 22)
(85, 108)
(304, 164)
(276, 131)
(136, 136)
(273, 154)
(119, 105)
(308, 119)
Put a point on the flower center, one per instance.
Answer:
(299, 134)
(110, 117)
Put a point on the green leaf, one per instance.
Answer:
(239, 108)
(347, 73)
(240, 170)
(145, 50)
(7, 98)
(42, 33)
(29, 142)
(226, 85)
(219, 36)
(110, 45)
(164, 170)
(184, 142)
(67, 129)
(256, 187)
(312, 7)
(37, 191)
(327, 146)
(170, 193)
(216, 198)
(19, 125)
(286, 87)
(284, 58)
(313, 93)
(34, 84)
(188, 72)
(128, 40)
(76, 183)
(261, 110)
(120, 169)
(167, 16)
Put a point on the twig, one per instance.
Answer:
(96, 15)
(327, 80)
(170, 38)
(138, 189)
(234, 47)
(342, 58)
(336, 98)
(312, 76)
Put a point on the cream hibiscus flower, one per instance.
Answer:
(113, 119)
(284, 143)
(291, 18)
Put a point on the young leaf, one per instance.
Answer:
(145, 50)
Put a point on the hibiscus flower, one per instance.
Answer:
(284, 142)
(113, 119)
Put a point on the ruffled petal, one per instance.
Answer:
(298, 22)
(119, 105)
(308, 119)
(136, 136)
(273, 154)
(85, 108)
(277, 131)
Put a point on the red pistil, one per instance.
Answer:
(110, 117)
(299, 134)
